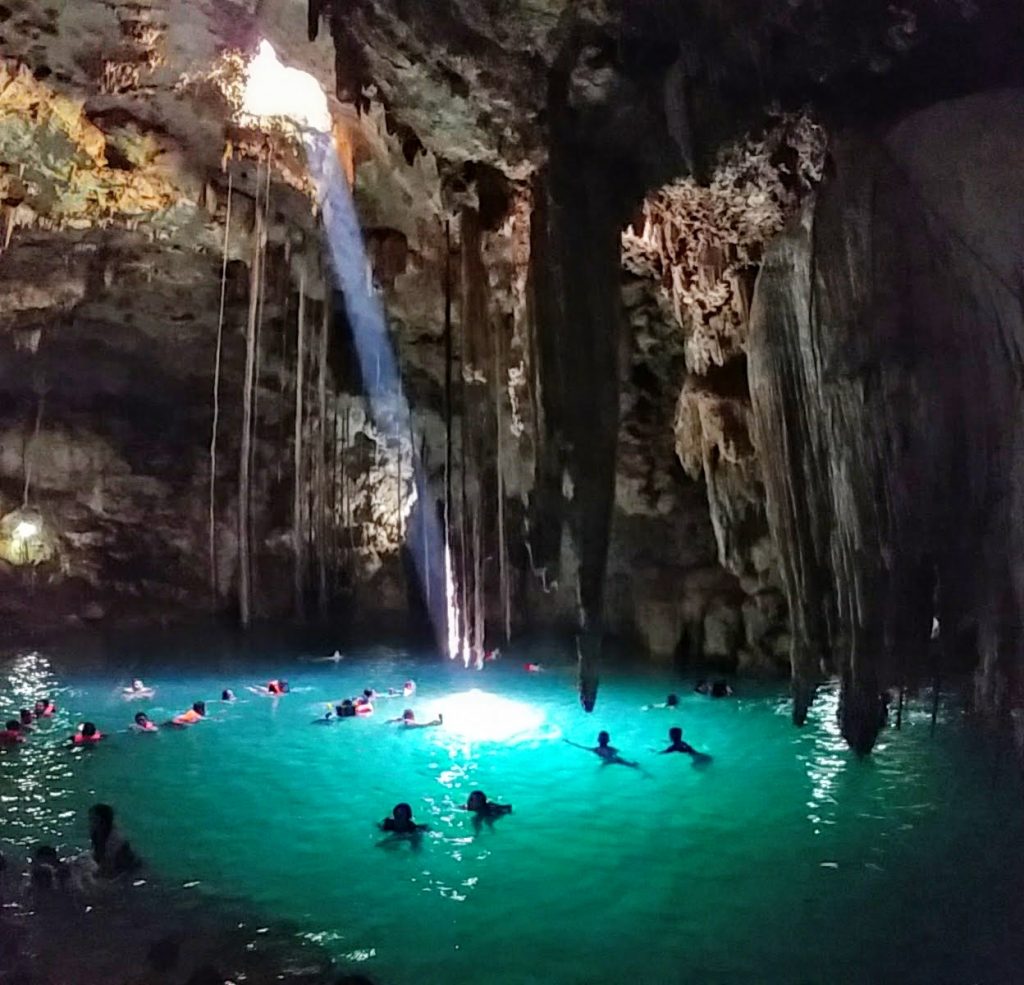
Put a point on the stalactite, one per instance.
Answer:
(259, 343)
(448, 357)
(299, 540)
(26, 457)
(212, 518)
(426, 504)
(321, 466)
(245, 462)
(503, 588)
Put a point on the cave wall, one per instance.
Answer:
(885, 370)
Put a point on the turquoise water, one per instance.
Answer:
(785, 860)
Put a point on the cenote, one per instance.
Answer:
(785, 859)
(637, 339)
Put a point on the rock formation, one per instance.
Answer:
(566, 207)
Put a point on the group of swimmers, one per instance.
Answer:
(17, 729)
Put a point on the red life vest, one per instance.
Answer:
(82, 740)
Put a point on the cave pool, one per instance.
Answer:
(786, 860)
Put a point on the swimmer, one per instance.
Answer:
(334, 658)
(12, 734)
(44, 708)
(407, 691)
(408, 720)
(195, 714)
(676, 743)
(720, 689)
(142, 723)
(608, 754)
(26, 720)
(346, 709)
(533, 668)
(491, 655)
(227, 694)
(137, 690)
(401, 822)
(272, 689)
(672, 701)
(363, 705)
(484, 808)
(87, 735)
(110, 851)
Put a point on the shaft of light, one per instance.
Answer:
(381, 378)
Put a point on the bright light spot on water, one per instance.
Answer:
(273, 89)
(481, 717)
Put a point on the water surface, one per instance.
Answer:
(785, 860)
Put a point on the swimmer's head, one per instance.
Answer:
(41, 706)
(675, 734)
(402, 812)
(199, 707)
(409, 687)
(88, 729)
(408, 716)
(137, 685)
(26, 716)
(101, 817)
(284, 686)
(672, 700)
(603, 738)
(477, 801)
(13, 725)
(141, 718)
(227, 694)
(367, 693)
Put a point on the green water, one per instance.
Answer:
(786, 860)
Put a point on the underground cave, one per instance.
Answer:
(609, 405)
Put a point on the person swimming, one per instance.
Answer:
(401, 822)
(195, 714)
(110, 851)
(227, 694)
(272, 689)
(44, 708)
(87, 735)
(719, 688)
(363, 705)
(408, 689)
(12, 733)
(137, 690)
(408, 720)
(26, 719)
(532, 668)
(672, 702)
(608, 754)
(676, 743)
(346, 709)
(142, 723)
(484, 808)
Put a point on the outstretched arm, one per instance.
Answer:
(577, 745)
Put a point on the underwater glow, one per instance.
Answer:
(479, 716)
(275, 90)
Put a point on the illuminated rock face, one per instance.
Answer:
(885, 382)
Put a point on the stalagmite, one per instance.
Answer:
(212, 519)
